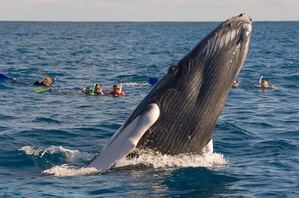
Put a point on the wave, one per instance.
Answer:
(68, 154)
(133, 84)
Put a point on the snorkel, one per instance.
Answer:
(260, 80)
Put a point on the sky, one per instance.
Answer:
(147, 10)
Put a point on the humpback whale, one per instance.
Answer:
(180, 113)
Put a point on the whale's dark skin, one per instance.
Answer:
(192, 94)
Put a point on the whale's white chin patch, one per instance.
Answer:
(126, 140)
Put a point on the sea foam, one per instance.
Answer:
(146, 159)
(65, 170)
(158, 160)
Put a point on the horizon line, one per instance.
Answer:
(137, 21)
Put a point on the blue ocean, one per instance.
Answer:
(47, 139)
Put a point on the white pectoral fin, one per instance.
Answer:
(127, 139)
(208, 148)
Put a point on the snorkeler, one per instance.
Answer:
(87, 90)
(235, 83)
(263, 84)
(46, 82)
(117, 90)
(98, 89)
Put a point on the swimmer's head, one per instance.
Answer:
(265, 84)
(117, 88)
(87, 90)
(98, 88)
(47, 81)
(235, 84)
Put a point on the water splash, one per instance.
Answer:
(158, 160)
(28, 150)
(65, 170)
(68, 154)
(146, 159)
(134, 84)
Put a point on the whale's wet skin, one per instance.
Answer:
(180, 113)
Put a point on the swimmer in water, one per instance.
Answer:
(87, 90)
(98, 89)
(263, 83)
(117, 90)
(46, 82)
(235, 83)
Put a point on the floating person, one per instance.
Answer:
(235, 83)
(264, 83)
(117, 90)
(98, 89)
(46, 82)
(87, 90)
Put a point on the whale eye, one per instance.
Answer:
(172, 69)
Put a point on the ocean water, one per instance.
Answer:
(256, 139)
